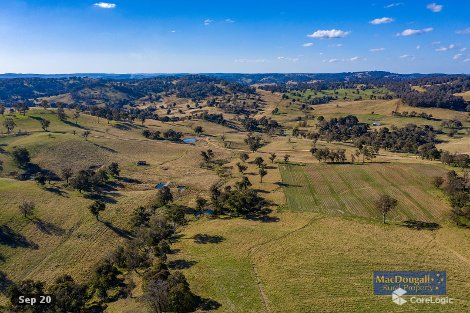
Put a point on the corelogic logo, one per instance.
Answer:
(397, 296)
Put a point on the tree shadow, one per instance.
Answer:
(105, 148)
(13, 239)
(118, 231)
(262, 216)
(207, 304)
(57, 191)
(181, 264)
(129, 180)
(48, 228)
(101, 197)
(420, 225)
(5, 282)
(74, 124)
(282, 184)
(205, 238)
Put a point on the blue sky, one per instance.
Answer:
(148, 36)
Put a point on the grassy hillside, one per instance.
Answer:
(308, 262)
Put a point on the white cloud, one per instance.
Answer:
(465, 31)
(207, 22)
(105, 5)
(307, 44)
(173, 31)
(463, 50)
(435, 7)
(288, 59)
(376, 49)
(353, 59)
(382, 20)
(467, 60)
(229, 20)
(392, 5)
(411, 32)
(442, 49)
(333, 33)
(407, 56)
(418, 47)
(457, 56)
(331, 61)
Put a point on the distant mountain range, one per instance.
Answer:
(239, 77)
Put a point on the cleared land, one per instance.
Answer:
(351, 190)
(309, 262)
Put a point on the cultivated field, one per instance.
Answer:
(350, 190)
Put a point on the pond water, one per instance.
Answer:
(189, 140)
(160, 185)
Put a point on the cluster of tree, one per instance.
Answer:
(254, 142)
(458, 189)
(264, 124)
(452, 124)
(217, 118)
(341, 129)
(153, 231)
(240, 200)
(169, 134)
(325, 154)
(90, 180)
(455, 159)
(413, 114)
(438, 95)
(408, 139)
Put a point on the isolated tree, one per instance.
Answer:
(241, 168)
(21, 157)
(9, 124)
(262, 172)
(67, 173)
(244, 156)
(61, 114)
(438, 181)
(2, 109)
(68, 295)
(85, 134)
(244, 183)
(164, 196)
(385, 204)
(45, 124)
(76, 115)
(253, 142)
(97, 207)
(44, 104)
(142, 118)
(272, 157)
(21, 107)
(286, 158)
(82, 181)
(259, 162)
(200, 204)
(1, 166)
(114, 170)
(198, 130)
(140, 217)
(26, 208)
